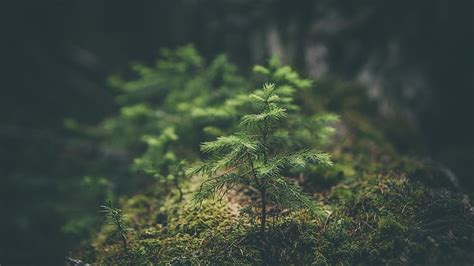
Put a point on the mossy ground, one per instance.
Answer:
(377, 207)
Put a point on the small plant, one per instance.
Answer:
(257, 157)
(115, 219)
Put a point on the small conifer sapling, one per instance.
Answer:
(257, 157)
(115, 219)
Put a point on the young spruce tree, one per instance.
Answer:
(257, 157)
(114, 218)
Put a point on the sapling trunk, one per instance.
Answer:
(122, 231)
(263, 211)
(124, 244)
(263, 221)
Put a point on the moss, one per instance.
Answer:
(378, 208)
(390, 226)
(368, 219)
(341, 193)
(373, 220)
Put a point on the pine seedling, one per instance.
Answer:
(115, 219)
(257, 157)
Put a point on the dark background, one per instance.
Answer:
(415, 57)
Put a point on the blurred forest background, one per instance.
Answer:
(416, 59)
